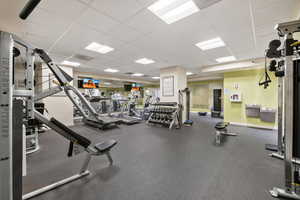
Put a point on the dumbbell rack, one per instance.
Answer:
(165, 114)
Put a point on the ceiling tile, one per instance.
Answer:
(120, 10)
(72, 42)
(146, 22)
(66, 9)
(94, 19)
(124, 33)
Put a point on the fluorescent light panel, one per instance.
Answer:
(171, 11)
(155, 77)
(211, 44)
(189, 73)
(111, 70)
(74, 64)
(107, 83)
(100, 48)
(145, 61)
(226, 59)
(137, 74)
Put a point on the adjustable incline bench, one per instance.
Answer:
(98, 149)
(221, 130)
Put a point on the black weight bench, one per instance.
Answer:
(221, 130)
(98, 149)
(74, 138)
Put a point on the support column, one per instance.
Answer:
(173, 79)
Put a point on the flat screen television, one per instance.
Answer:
(88, 83)
(128, 87)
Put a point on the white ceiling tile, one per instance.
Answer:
(120, 10)
(73, 41)
(124, 33)
(94, 19)
(259, 4)
(85, 1)
(146, 3)
(66, 9)
(146, 22)
(38, 40)
(284, 12)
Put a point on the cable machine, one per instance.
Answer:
(291, 109)
(17, 108)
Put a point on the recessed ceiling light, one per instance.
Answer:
(74, 64)
(211, 44)
(171, 11)
(145, 61)
(189, 73)
(137, 74)
(226, 59)
(111, 70)
(155, 77)
(100, 48)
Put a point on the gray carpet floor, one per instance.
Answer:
(153, 163)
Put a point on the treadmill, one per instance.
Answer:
(125, 118)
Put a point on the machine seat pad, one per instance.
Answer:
(71, 135)
(221, 125)
(105, 146)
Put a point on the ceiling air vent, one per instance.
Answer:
(129, 73)
(206, 3)
(82, 57)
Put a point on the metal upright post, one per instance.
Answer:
(6, 91)
(288, 118)
(30, 81)
(279, 153)
(280, 116)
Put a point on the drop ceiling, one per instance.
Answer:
(65, 28)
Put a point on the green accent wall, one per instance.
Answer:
(202, 94)
(246, 82)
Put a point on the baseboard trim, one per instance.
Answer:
(254, 126)
(208, 113)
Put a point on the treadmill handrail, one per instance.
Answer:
(91, 110)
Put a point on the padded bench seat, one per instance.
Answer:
(221, 130)
(73, 137)
(105, 146)
(221, 125)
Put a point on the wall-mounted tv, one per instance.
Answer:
(132, 86)
(127, 87)
(88, 83)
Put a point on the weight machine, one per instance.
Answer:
(290, 125)
(13, 102)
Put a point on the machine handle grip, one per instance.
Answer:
(71, 147)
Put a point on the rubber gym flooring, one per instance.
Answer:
(153, 163)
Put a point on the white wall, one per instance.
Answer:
(180, 83)
(59, 106)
